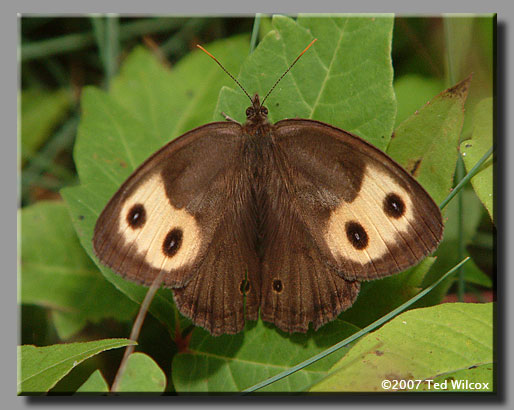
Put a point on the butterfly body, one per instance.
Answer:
(282, 220)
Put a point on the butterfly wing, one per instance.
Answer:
(366, 214)
(184, 212)
(340, 211)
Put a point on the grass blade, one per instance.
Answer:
(255, 32)
(466, 179)
(112, 46)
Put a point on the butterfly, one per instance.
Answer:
(279, 220)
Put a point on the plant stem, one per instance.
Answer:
(136, 328)
(461, 285)
(448, 32)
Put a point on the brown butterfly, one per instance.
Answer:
(284, 219)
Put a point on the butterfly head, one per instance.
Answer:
(256, 113)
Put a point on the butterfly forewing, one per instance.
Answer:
(184, 212)
(364, 213)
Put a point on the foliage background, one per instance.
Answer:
(60, 56)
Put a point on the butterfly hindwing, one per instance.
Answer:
(297, 285)
(229, 272)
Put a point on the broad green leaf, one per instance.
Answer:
(58, 274)
(379, 297)
(426, 143)
(472, 150)
(233, 363)
(417, 345)
(148, 106)
(41, 111)
(94, 384)
(413, 92)
(40, 368)
(171, 102)
(142, 374)
(344, 79)
(109, 141)
(474, 379)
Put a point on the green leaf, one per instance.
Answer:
(426, 144)
(40, 368)
(472, 150)
(413, 92)
(41, 111)
(94, 384)
(142, 374)
(417, 345)
(344, 79)
(233, 363)
(58, 274)
(170, 103)
(379, 297)
(148, 106)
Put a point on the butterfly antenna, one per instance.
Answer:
(291, 66)
(224, 69)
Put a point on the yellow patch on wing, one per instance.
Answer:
(367, 209)
(161, 217)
